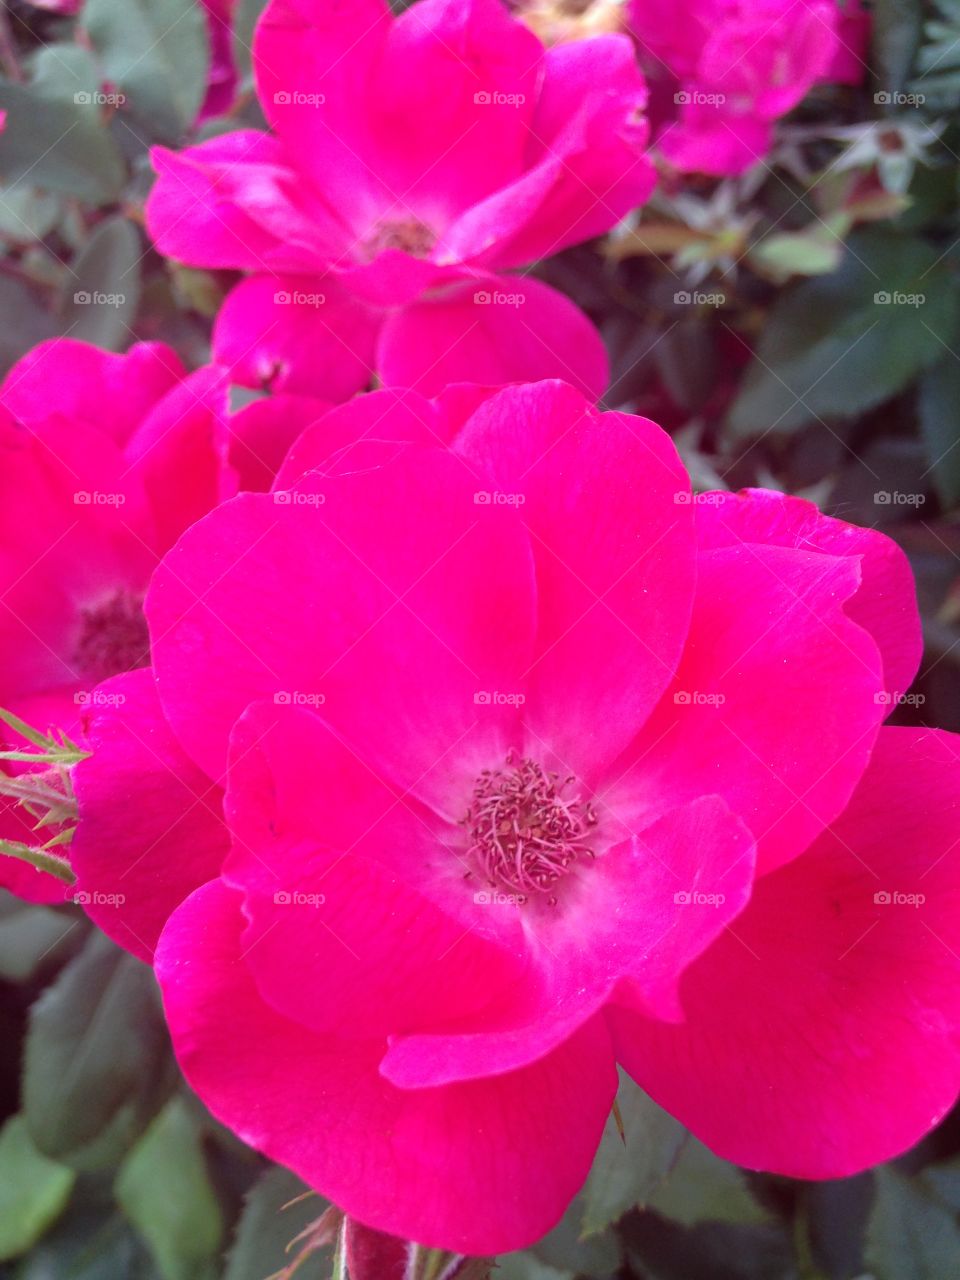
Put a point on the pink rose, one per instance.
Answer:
(412, 161)
(481, 756)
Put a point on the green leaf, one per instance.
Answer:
(837, 345)
(266, 1228)
(626, 1175)
(91, 1241)
(245, 19)
(34, 322)
(55, 135)
(911, 1234)
(164, 1188)
(33, 937)
(33, 1189)
(96, 1062)
(26, 214)
(703, 1188)
(102, 294)
(157, 53)
(895, 36)
(524, 1266)
(938, 406)
(599, 1256)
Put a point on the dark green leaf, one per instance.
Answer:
(911, 1235)
(103, 290)
(164, 1188)
(34, 322)
(266, 1228)
(55, 136)
(837, 345)
(939, 410)
(599, 1256)
(157, 53)
(703, 1188)
(96, 1062)
(32, 937)
(895, 37)
(624, 1176)
(33, 1189)
(92, 1241)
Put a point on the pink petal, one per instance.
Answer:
(80, 383)
(631, 921)
(315, 66)
(302, 335)
(615, 576)
(402, 1160)
(379, 415)
(821, 1032)
(136, 861)
(375, 956)
(886, 602)
(493, 330)
(263, 431)
(179, 452)
(396, 570)
(587, 165)
(774, 704)
(235, 201)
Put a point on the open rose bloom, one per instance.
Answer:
(477, 758)
(411, 162)
(737, 66)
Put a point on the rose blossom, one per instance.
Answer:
(413, 160)
(106, 459)
(532, 764)
(736, 67)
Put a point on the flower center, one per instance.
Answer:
(113, 638)
(526, 827)
(407, 234)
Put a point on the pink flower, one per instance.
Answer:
(737, 66)
(532, 763)
(412, 161)
(104, 461)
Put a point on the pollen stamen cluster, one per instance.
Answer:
(525, 828)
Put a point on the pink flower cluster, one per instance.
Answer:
(736, 66)
(445, 750)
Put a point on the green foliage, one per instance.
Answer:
(96, 1064)
(838, 345)
(33, 1189)
(276, 1210)
(164, 1188)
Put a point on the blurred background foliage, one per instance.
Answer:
(798, 328)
